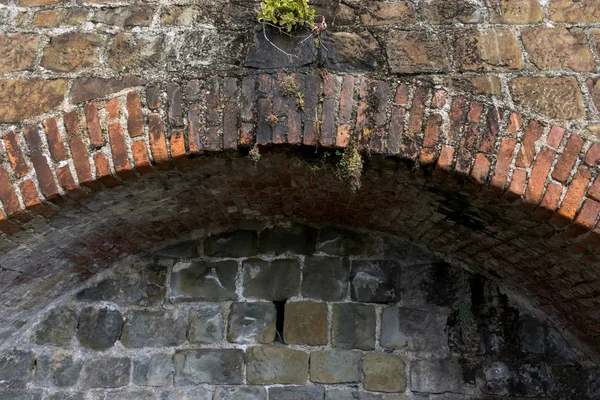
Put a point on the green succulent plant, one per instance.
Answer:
(288, 14)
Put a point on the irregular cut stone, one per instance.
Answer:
(72, 51)
(29, 394)
(558, 98)
(18, 52)
(305, 322)
(337, 242)
(152, 369)
(206, 325)
(110, 372)
(515, 12)
(16, 367)
(130, 394)
(99, 328)
(593, 85)
(182, 15)
(494, 49)
(412, 52)
(413, 330)
(57, 328)
(353, 326)
(58, 368)
(375, 281)
(204, 281)
(497, 378)
(252, 323)
(36, 3)
(325, 278)
(340, 394)
(124, 16)
(212, 366)
(271, 280)
(352, 51)
(85, 89)
(65, 396)
(335, 366)
(187, 249)
(21, 99)
(558, 49)
(264, 55)
(234, 244)
(481, 84)
(197, 393)
(60, 17)
(384, 373)
(297, 393)
(436, 376)
(134, 51)
(441, 12)
(268, 365)
(241, 393)
(297, 239)
(381, 13)
(574, 11)
(161, 328)
(436, 284)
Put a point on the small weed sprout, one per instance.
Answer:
(273, 120)
(288, 86)
(300, 100)
(350, 167)
(254, 154)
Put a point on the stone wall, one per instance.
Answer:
(292, 312)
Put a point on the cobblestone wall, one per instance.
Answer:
(292, 313)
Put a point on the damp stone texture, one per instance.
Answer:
(292, 313)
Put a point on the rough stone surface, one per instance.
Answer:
(491, 50)
(569, 51)
(19, 52)
(554, 97)
(20, 98)
(516, 12)
(252, 323)
(133, 52)
(72, 52)
(335, 366)
(416, 52)
(99, 328)
(241, 393)
(264, 55)
(236, 244)
(381, 13)
(59, 369)
(85, 89)
(349, 51)
(57, 328)
(353, 326)
(154, 328)
(298, 239)
(110, 372)
(413, 330)
(574, 11)
(436, 376)
(384, 373)
(432, 284)
(206, 325)
(152, 369)
(337, 242)
(340, 394)
(376, 281)
(325, 278)
(274, 364)
(16, 367)
(271, 280)
(297, 393)
(204, 280)
(220, 367)
(305, 323)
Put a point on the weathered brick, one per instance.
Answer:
(103, 171)
(490, 131)
(503, 163)
(7, 194)
(431, 140)
(264, 130)
(586, 219)
(593, 154)
(135, 122)
(248, 98)
(93, 125)
(174, 102)
(230, 125)
(457, 110)
(466, 148)
(44, 175)
(564, 165)
(310, 117)
(539, 176)
(533, 132)
(141, 160)
(445, 162)
(177, 147)
(153, 97)
(32, 138)
(194, 129)
(573, 198)
(32, 201)
(515, 122)
(55, 143)
(550, 201)
(66, 181)
(158, 142)
(395, 131)
(81, 160)
(329, 104)
(15, 154)
(555, 136)
(119, 151)
(481, 168)
(112, 109)
(517, 185)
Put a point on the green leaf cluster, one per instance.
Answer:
(288, 14)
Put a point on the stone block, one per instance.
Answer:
(271, 280)
(412, 52)
(375, 281)
(161, 328)
(204, 281)
(28, 394)
(297, 393)
(85, 89)
(558, 49)
(574, 11)
(18, 52)
(558, 98)
(515, 12)
(335, 366)
(382, 13)
(206, 325)
(72, 51)
(432, 284)
(99, 327)
(352, 51)
(66, 396)
(266, 365)
(109, 372)
(198, 393)
(305, 322)
(494, 49)
(124, 16)
(181, 16)
(342, 243)
(59, 369)
(297, 239)
(183, 250)
(325, 278)
(130, 51)
(130, 394)
(340, 394)
(436, 376)
(236, 244)
(442, 12)
(353, 326)
(152, 369)
(57, 327)
(384, 372)
(264, 55)
(252, 323)
(241, 393)
(414, 330)
(212, 366)
(24, 98)
(16, 367)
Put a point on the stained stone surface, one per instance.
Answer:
(202, 280)
(297, 393)
(219, 367)
(340, 394)
(275, 364)
(206, 325)
(266, 56)
(109, 372)
(335, 366)
(436, 376)
(152, 369)
(241, 393)
(59, 368)
(235, 244)
(99, 327)
(325, 278)
(384, 372)
(252, 323)
(154, 328)
(305, 323)
(16, 367)
(353, 326)
(413, 330)
(377, 281)
(271, 280)
(57, 328)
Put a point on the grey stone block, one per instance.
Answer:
(435, 284)
(265, 56)
(206, 325)
(335, 366)
(130, 394)
(20, 394)
(204, 281)
(152, 369)
(66, 396)
(344, 243)
(241, 393)
(497, 378)
(375, 281)
(436, 376)
(384, 372)
(297, 393)
(58, 368)
(16, 367)
(218, 366)
(267, 365)
(233, 244)
(353, 326)
(297, 239)
(99, 327)
(414, 330)
(145, 328)
(339, 394)
(252, 323)
(57, 328)
(325, 278)
(275, 280)
(109, 372)
(186, 394)
(181, 250)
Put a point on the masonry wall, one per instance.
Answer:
(292, 312)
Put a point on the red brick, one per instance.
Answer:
(55, 143)
(119, 151)
(246, 134)
(230, 125)
(112, 109)
(153, 97)
(32, 137)
(439, 99)
(402, 95)
(135, 122)
(158, 142)
(527, 151)
(265, 84)
(177, 146)
(194, 129)
(32, 200)
(481, 169)
(8, 227)
(490, 131)
(395, 131)
(466, 149)
(93, 125)
(343, 135)
(555, 136)
(71, 121)
(103, 172)
(431, 140)
(329, 107)
(594, 190)
(539, 176)
(586, 219)
(81, 160)
(517, 185)
(44, 175)
(550, 201)
(346, 99)
(9, 199)
(15, 154)
(362, 122)
(140, 157)
(593, 154)
(567, 159)
(503, 163)
(474, 114)
(66, 181)
(575, 192)
(415, 120)
(515, 121)
(456, 118)
(444, 163)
